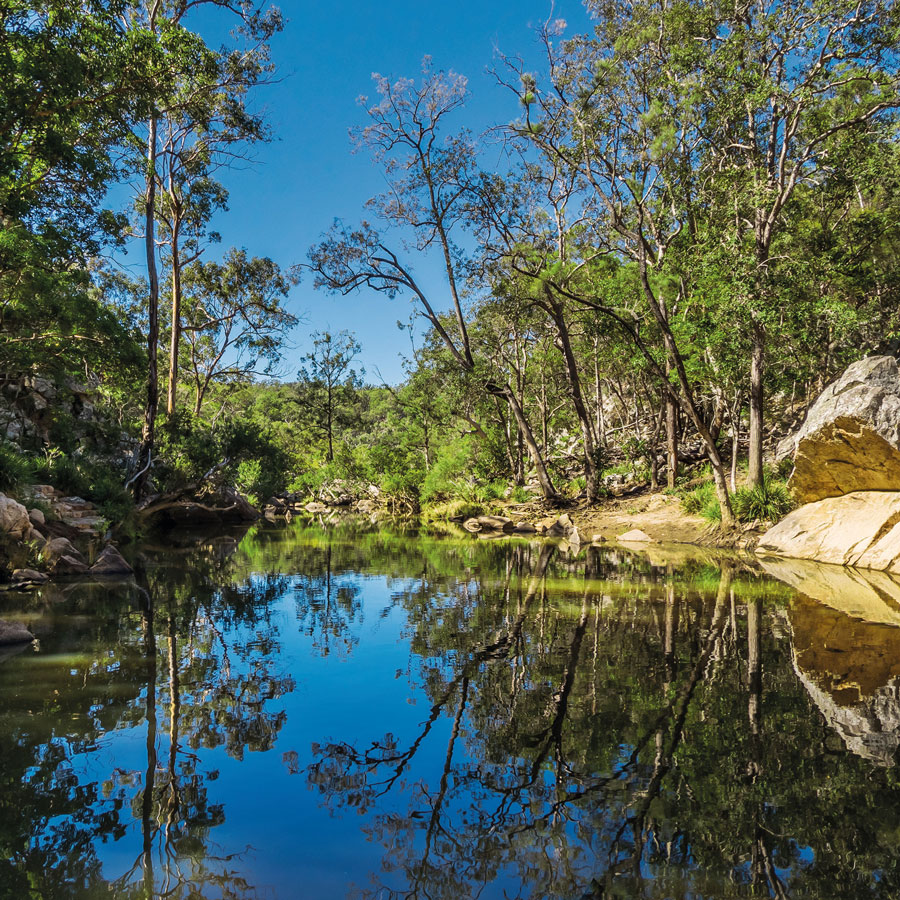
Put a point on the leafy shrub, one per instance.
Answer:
(241, 452)
(769, 501)
(15, 467)
(699, 499)
(520, 494)
(92, 480)
(450, 473)
(451, 509)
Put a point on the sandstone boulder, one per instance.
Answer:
(635, 536)
(860, 529)
(850, 440)
(36, 517)
(60, 546)
(110, 562)
(14, 633)
(28, 576)
(66, 566)
(14, 519)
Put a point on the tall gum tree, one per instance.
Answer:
(602, 116)
(189, 77)
(429, 177)
(774, 79)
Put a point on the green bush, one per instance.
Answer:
(15, 467)
(451, 509)
(450, 473)
(699, 499)
(770, 501)
(88, 479)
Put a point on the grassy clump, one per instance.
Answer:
(769, 501)
(701, 501)
(452, 509)
(15, 467)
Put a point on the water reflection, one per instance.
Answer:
(388, 715)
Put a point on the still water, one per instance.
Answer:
(297, 713)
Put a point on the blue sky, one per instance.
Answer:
(308, 175)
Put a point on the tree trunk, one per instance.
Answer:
(755, 453)
(145, 453)
(671, 442)
(534, 451)
(573, 381)
(686, 399)
(176, 321)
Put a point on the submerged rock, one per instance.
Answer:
(29, 576)
(111, 562)
(850, 440)
(66, 566)
(860, 529)
(635, 536)
(14, 633)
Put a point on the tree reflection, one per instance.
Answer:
(608, 745)
(194, 662)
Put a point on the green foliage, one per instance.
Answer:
(450, 474)
(235, 450)
(16, 468)
(90, 479)
(452, 509)
(767, 502)
(701, 501)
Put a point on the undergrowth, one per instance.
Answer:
(768, 502)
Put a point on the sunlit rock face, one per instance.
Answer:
(850, 440)
(851, 669)
(858, 529)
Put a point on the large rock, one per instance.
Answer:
(14, 633)
(111, 562)
(859, 529)
(850, 440)
(14, 519)
(67, 566)
(58, 547)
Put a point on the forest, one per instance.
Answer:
(682, 225)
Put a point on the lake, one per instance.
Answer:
(306, 713)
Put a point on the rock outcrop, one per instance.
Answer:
(860, 529)
(110, 562)
(850, 440)
(14, 519)
(14, 633)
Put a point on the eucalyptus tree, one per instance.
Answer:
(429, 178)
(235, 322)
(193, 79)
(776, 82)
(327, 383)
(602, 117)
(75, 79)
